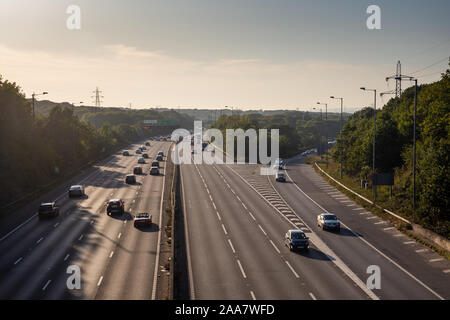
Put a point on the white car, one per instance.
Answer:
(328, 221)
(76, 190)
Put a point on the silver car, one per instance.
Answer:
(328, 221)
(76, 191)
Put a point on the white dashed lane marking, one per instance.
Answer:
(273, 244)
(292, 269)
(46, 285)
(242, 269)
(262, 230)
(231, 245)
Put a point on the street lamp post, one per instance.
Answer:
(73, 131)
(374, 133)
(231, 109)
(326, 131)
(340, 140)
(33, 99)
(414, 140)
(320, 112)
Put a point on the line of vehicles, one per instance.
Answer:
(279, 165)
(295, 239)
(113, 206)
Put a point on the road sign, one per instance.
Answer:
(159, 123)
(383, 179)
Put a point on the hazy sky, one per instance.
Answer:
(210, 53)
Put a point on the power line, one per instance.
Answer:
(429, 48)
(431, 65)
(430, 74)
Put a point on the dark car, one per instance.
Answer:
(155, 164)
(145, 155)
(280, 177)
(160, 153)
(115, 206)
(137, 170)
(125, 153)
(48, 210)
(159, 158)
(147, 144)
(154, 171)
(296, 239)
(130, 179)
(143, 220)
(76, 191)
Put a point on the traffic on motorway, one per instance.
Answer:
(85, 229)
(239, 159)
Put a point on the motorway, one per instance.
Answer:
(236, 219)
(116, 260)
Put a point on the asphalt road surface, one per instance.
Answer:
(236, 220)
(116, 260)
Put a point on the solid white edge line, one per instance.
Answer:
(186, 235)
(373, 247)
(158, 244)
(59, 197)
(18, 227)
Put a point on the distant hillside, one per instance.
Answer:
(115, 116)
(35, 152)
